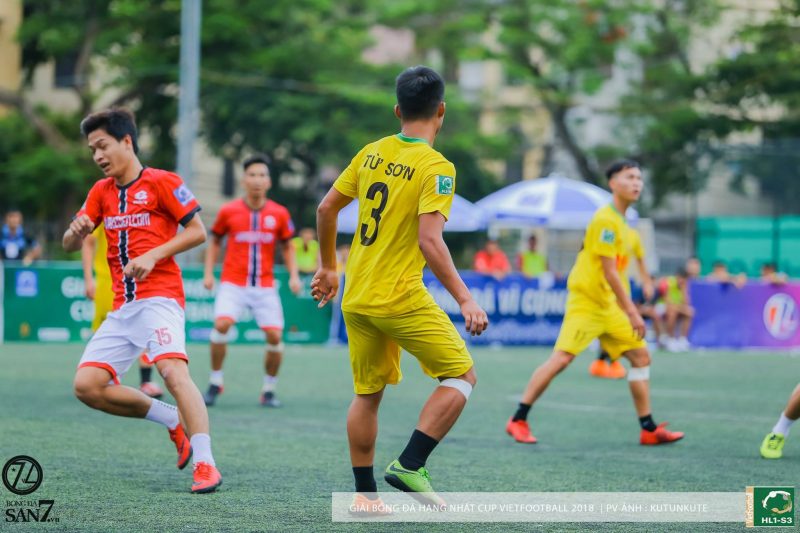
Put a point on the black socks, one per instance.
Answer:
(417, 450)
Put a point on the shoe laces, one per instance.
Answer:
(173, 435)
(203, 471)
(773, 442)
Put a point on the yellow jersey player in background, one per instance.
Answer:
(598, 307)
(98, 288)
(405, 190)
(607, 365)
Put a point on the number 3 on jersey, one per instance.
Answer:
(374, 189)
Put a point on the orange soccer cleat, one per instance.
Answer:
(178, 436)
(616, 370)
(364, 507)
(661, 435)
(206, 478)
(598, 368)
(520, 430)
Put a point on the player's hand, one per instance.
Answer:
(295, 285)
(139, 267)
(475, 318)
(90, 288)
(81, 226)
(324, 286)
(637, 322)
(208, 282)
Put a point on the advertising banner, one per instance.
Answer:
(47, 303)
(526, 311)
(757, 315)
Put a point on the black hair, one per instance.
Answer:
(770, 265)
(117, 122)
(718, 263)
(256, 158)
(683, 273)
(620, 165)
(419, 90)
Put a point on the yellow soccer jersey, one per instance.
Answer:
(100, 265)
(607, 235)
(395, 180)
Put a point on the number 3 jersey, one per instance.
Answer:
(138, 217)
(395, 180)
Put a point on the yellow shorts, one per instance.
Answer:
(426, 333)
(103, 301)
(585, 321)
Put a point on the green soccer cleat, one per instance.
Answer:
(772, 447)
(415, 482)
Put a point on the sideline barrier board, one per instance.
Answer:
(46, 302)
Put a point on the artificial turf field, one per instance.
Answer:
(280, 466)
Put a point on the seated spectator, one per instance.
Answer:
(530, 262)
(306, 250)
(678, 308)
(15, 245)
(770, 274)
(719, 273)
(492, 261)
(693, 267)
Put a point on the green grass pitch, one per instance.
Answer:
(280, 466)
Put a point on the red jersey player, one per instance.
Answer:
(141, 209)
(253, 225)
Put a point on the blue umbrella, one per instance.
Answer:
(464, 216)
(555, 202)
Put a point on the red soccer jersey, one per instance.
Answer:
(137, 218)
(250, 251)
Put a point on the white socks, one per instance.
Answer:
(783, 425)
(201, 449)
(270, 382)
(163, 413)
(216, 378)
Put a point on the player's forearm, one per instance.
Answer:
(212, 252)
(437, 255)
(326, 231)
(625, 302)
(71, 242)
(194, 234)
(87, 256)
(289, 259)
(643, 273)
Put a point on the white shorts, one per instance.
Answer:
(153, 325)
(264, 302)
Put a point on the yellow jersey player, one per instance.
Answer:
(98, 288)
(598, 307)
(405, 190)
(606, 365)
(772, 446)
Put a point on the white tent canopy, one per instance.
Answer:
(464, 216)
(555, 202)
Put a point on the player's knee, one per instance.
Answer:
(174, 372)
(561, 360)
(460, 384)
(274, 340)
(222, 325)
(90, 394)
(639, 358)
